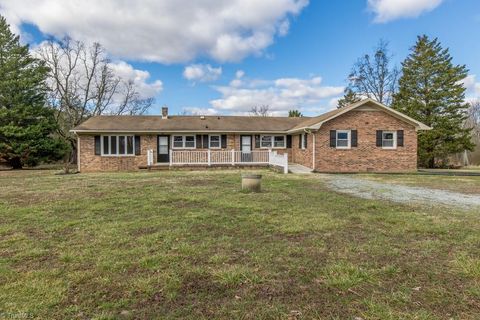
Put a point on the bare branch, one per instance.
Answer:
(372, 76)
(260, 111)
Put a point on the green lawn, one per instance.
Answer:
(190, 245)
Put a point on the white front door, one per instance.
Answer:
(246, 148)
(246, 145)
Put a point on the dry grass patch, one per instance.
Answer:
(191, 245)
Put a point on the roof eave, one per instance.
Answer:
(419, 126)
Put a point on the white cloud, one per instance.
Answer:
(473, 88)
(202, 73)
(280, 94)
(388, 10)
(140, 78)
(165, 31)
(196, 111)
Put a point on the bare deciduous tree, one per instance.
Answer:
(373, 77)
(82, 84)
(260, 111)
(473, 120)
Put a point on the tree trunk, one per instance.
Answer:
(431, 162)
(70, 156)
(15, 163)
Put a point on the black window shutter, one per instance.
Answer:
(300, 141)
(400, 138)
(333, 138)
(205, 141)
(354, 142)
(257, 141)
(289, 141)
(199, 141)
(97, 146)
(306, 140)
(224, 141)
(137, 146)
(379, 138)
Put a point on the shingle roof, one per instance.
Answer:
(225, 123)
(189, 123)
(314, 120)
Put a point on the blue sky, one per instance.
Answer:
(283, 53)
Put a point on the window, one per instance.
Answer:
(303, 138)
(184, 142)
(178, 141)
(389, 139)
(118, 145)
(266, 142)
(272, 142)
(343, 139)
(189, 141)
(279, 142)
(214, 142)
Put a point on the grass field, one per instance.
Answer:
(191, 245)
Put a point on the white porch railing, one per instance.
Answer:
(279, 160)
(224, 157)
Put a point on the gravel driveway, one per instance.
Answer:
(356, 186)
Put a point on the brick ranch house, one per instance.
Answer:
(365, 136)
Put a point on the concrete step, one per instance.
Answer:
(298, 169)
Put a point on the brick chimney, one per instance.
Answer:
(164, 112)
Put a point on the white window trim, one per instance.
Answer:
(184, 141)
(303, 137)
(273, 141)
(109, 154)
(349, 146)
(394, 139)
(219, 141)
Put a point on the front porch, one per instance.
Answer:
(220, 158)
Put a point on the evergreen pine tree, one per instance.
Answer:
(431, 91)
(349, 98)
(26, 124)
(295, 114)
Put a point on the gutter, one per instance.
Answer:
(172, 131)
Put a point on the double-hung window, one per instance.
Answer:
(343, 139)
(389, 139)
(118, 145)
(303, 139)
(214, 142)
(279, 141)
(184, 142)
(272, 142)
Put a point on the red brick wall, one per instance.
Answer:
(89, 162)
(302, 156)
(367, 156)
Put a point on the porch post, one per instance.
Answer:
(208, 157)
(233, 157)
(171, 157)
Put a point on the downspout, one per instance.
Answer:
(78, 152)
(313, 153)
(313, 146)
